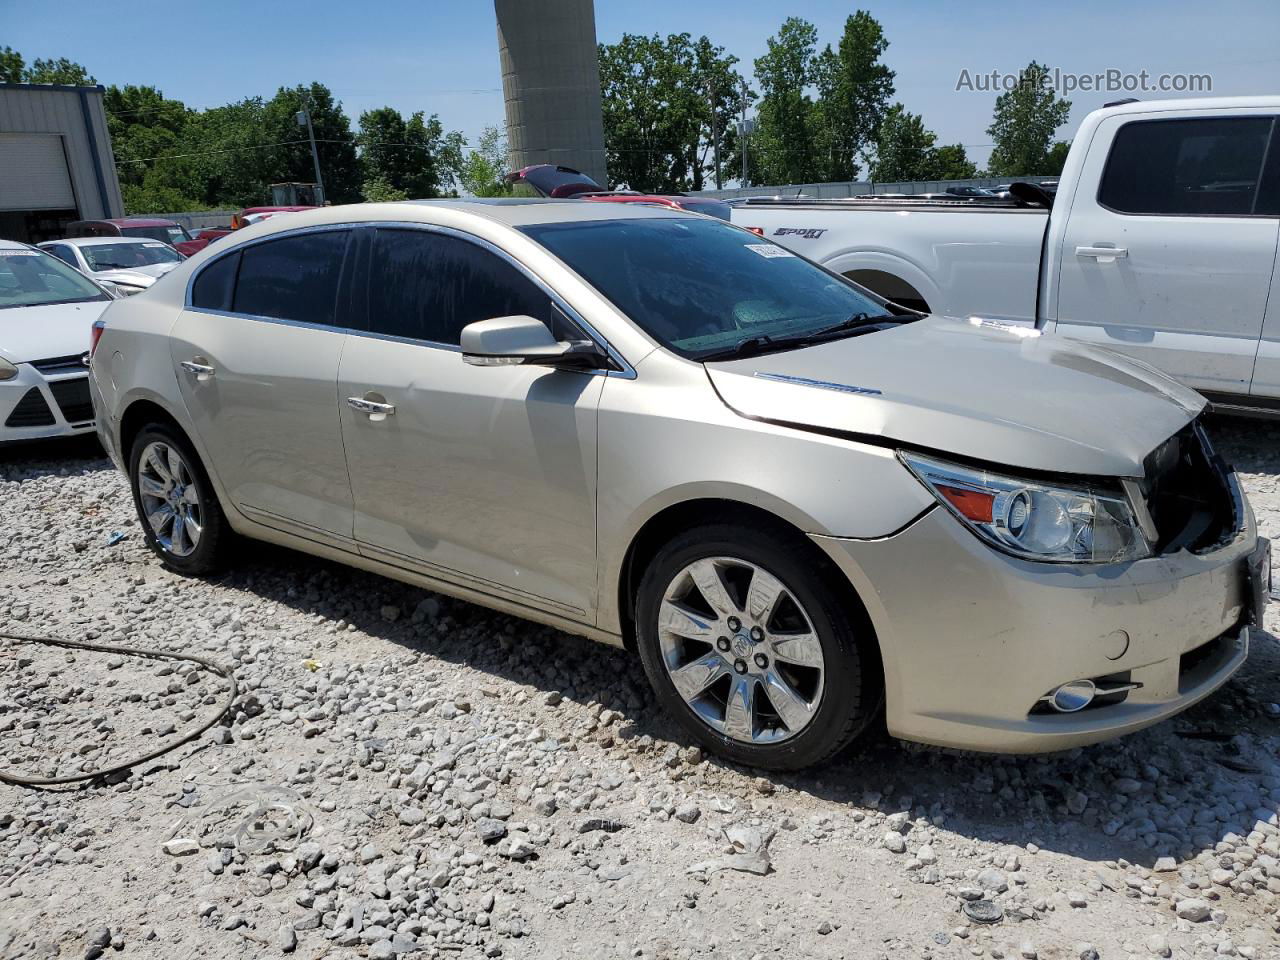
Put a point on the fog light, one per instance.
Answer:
(1073, 696)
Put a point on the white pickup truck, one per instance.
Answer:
(1160, 243)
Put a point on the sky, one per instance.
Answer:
(441, 57)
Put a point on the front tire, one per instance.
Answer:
(749, 644)
(182, 521)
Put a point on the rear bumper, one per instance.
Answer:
(972, 639)
(36, 407)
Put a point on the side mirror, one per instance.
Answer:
(507, 341)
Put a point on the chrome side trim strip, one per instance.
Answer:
(820, 384)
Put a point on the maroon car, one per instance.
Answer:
(553, 180)
(150, 228)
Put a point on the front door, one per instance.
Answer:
(483, 476)
(1169, 260)
(257, 354)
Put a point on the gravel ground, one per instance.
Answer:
(405, 774)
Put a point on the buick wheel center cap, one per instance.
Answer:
(741, 645)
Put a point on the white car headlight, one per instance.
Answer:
(7, 370)
(1032, 519)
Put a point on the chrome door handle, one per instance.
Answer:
(373, 408)
(202, 370)
(1103, 254)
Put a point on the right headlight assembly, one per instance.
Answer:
(1033, 519)
(7, 370)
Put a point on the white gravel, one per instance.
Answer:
(409, 775)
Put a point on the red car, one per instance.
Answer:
(150, 228)
(553, 180)
(241, 219)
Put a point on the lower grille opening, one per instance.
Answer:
(1195, 666)
(73, 400)
(31, 411)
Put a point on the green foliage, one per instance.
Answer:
(482, 171)
(905, 151)
(12, 65)
(782, 148)
(413, 157)
(1056, 157)
(1024, 123)
(61, 70)
(663, 100)
(378, 190)
(854, 89)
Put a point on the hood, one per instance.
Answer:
(997, 394)
(41, 333)
(143, 276)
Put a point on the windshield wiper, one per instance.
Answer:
(748, 347)
(855, 322)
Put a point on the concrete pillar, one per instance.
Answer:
(551, 84)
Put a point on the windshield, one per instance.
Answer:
(712, 208)
(701, 286)
(125, 256)
(32, 278)
(170, 234)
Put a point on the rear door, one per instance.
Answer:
(483, 476)
(1169, 258)
(256, 353)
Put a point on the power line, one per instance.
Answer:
(206, 153)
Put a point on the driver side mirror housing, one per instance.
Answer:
(524, 340)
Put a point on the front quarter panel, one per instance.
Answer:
(667, 438)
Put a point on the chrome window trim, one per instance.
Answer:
(626, 371)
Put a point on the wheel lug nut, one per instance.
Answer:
(723, 644)
(735, 624)
(757, 634)
(761, 661)
(740, 666)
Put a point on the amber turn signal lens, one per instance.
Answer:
(973, 504)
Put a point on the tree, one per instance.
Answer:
(1056, 157)
(483, 169)
(854, 88)
(291, 162)
(12, 66)
(61, 70)
(1024, 122)
(952, 163)
(905, 151)
(782, 147)
(414, 157)
(662, 100)
(378, 190)
(144, 124)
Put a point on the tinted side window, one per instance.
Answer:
(293, 278)
(215, 284)
(63, 253)
(428, 286)
(1203, 167)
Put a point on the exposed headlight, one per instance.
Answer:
(1035, 520)
(7, 370)
(128, 289)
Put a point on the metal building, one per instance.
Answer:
(551, 84)
(56, 164)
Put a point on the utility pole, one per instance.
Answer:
(303, 117)
(715, 133)
(745, 129)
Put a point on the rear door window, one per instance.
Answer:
(215, 284)
(428, 286)
(293, 278)
(1195, 167)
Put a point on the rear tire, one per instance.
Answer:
(751, 644)
(182, 521)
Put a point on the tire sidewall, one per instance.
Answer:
(206, 555)
(845, 705)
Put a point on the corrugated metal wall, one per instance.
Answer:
(75, 114)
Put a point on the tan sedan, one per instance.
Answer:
(798, 503)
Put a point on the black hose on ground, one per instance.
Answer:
(129, 652)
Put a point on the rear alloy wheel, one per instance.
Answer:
(747, 643)
(181, 518)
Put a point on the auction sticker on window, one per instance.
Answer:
(769, 250)
(21, 253)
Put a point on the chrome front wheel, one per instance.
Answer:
(741, 650)
(170, 499)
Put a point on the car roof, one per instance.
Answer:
(99, 241)
(141, 222)
(523, 211)
(14, 245)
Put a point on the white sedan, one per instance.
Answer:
(128, 264)
(47, 314)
